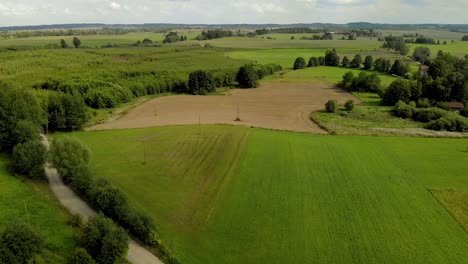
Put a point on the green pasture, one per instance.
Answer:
(45, 217)
(459, 48)
(323, 74)
(264, 43)
(429, 33)
(227, 194)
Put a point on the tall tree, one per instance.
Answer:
(332, 58)
(356, 62)
(368, 62)
(76, 42)
(299, 63)
(63, 44)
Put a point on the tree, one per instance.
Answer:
(422, 54)
(18, 244)
(331, 106)
(103, 240)
(172, 37)
(107, 198)
(313, 62)
(76, 42)
(299, 63)
(201, 82)
(331, 58)
(438, 68)
(66, 112)
(347, 82)
(356, 62)
(464, 38)
(399, 90)
(29, 158)
(368, 62)
(81, 256)
(70, 157)
(247, 76)
(63, 44)
(400, 69)
(345, 62)
(20, 116)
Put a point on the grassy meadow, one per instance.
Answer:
(459, 48)
(45, 215)
(226, 194)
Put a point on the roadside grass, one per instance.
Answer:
(228, 194)
(45, 214)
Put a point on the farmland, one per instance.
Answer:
(43, 213)
(232, 194)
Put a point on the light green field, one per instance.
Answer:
(323, 74)
(286, 57)
(429, 33)
(259, 43)
(242, 195)
(92, 41)
(44, 214)
(459, 48)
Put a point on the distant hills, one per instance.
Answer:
(354, 25)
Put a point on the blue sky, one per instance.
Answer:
(34, 12)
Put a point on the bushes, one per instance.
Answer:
(70, 157)
(363, 83)
(81, 256)
(18, 244)
(403, 110)
(103, 240)
(299, 63)
(331, 106)
(349, 105)
(29, 159)
(451, 122)
(65, 112)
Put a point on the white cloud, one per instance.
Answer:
(259, 7)
(115, 5)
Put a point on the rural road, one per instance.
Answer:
(137, 254)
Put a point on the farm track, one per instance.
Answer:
(279, 106)
(137, 254)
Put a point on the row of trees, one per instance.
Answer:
(214, 34)
(71, 158)
(76, 43)
(362, 83)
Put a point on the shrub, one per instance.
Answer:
(103, 240)
(299, 63)
(29, 158)
(428, 114)
(18, 244)
(423, 103)
(349, 105)
(403, 110)
(443, 105)
(464, 111)
(331, 106)
(70, 157)
(81, 256)
(450, 122)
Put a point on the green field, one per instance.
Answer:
(459, 48)
(224, 194)
(331, 75)
(45, 216)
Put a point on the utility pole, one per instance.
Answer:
(199, 125)
(27, 213)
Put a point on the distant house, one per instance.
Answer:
(423, 70)
(455, 105)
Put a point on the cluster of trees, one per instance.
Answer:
(214, 34)
(331, 106)
(424, 40)
(422, 55)
(19, 244)
(76, 43)
(363, 82)
(397, 44)
(71, 158)
(173, 37)
(465, 38)
(434, 118)
(380, 65)
(249, 74)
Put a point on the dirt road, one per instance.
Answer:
(281, 106)
(137, 254)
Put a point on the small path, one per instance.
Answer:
(137, 254)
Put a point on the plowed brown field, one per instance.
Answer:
(282, 106)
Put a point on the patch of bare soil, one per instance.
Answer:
(280, 106)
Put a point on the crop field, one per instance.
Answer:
(229, 194)
(43, 214)
(283, 106)
(286, 57)
(429, 33)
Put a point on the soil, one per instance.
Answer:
(280, 106)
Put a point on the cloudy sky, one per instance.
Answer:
(34, 12)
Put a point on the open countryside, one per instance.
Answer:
(228, 142)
